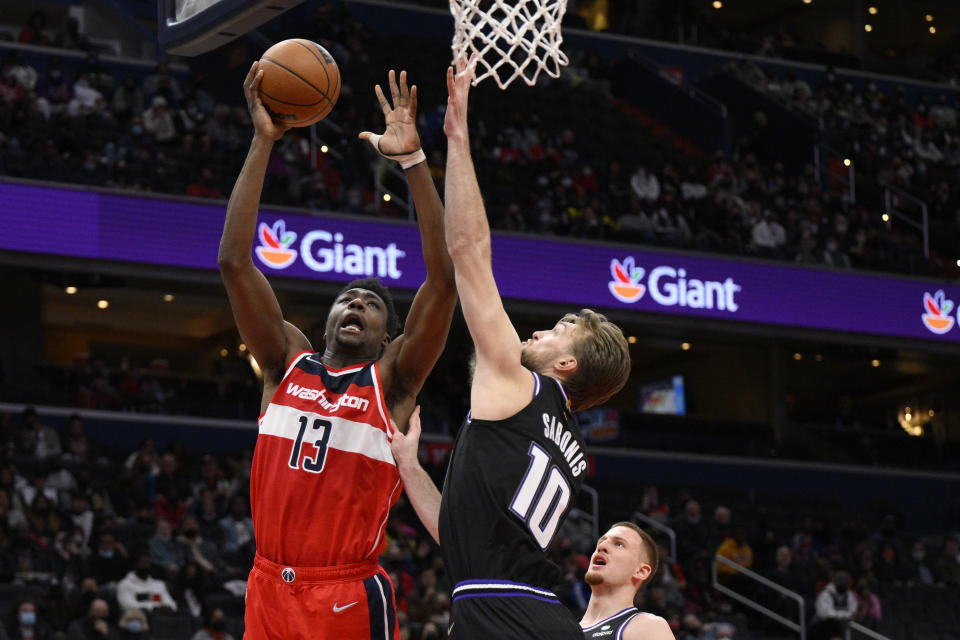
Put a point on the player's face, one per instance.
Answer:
(618, 559)
(542, 350)
(357, 319)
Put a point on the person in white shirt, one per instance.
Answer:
(139, 590)
(835, 605)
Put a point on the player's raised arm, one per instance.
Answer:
(409, 359)
(421, 491)
(255, 308)
(501, 385)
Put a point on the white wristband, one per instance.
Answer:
(406, 160)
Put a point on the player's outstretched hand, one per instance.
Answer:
(263, 124)
(401, 137)
(458, 88)
(405, 447)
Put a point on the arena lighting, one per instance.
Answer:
(324, 149)
(224, 352)
(717, 4)
(868, 28)
(958, 264)
(886, 218)
(929, 17)
(818, 357)
(685, 346)
(168, 297)
(798, 356)
(874, 363)
(872, 11)
(807, 1)
(912, 423)
(632, 339)
(242, 348)
(846, 161)
(72, 290)
(103, 304)
(386, 197)
(933, 29)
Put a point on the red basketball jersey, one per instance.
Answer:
(323, 477)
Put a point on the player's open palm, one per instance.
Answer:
(400, 137)
(405, 447)
(263, 124)
(458, 89)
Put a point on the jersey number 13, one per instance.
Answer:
(311, 464)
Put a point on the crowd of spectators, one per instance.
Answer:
(543, 173)
(893, 140)
(840, 566)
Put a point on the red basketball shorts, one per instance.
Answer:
(350, 602)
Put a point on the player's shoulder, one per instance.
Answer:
(646, 626)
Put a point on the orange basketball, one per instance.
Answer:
(301, 82)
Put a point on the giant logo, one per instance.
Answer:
(324, 251)
(670, 287)
(274, 250)
(937, 317)
(625, 285)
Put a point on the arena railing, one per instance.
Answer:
(859, 628)
(893, 200)
(659, 526)
(594, 508)
(799, 627)
(822, 155)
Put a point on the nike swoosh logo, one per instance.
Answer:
(337, 609)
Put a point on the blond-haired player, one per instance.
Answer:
(626, 557)
(519, 460)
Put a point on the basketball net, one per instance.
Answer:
(512, 39)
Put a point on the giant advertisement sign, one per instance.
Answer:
(108, 226)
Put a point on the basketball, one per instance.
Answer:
(301, 82)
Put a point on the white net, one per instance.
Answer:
(512, 39)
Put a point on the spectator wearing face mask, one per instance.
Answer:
(133, 625)
(835, 605)
(27, 625)
(214, 628)
(918, 567)
(95, 625)
(139, 590)
(109, 562)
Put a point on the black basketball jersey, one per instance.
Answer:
(612, 627)
(509, 485)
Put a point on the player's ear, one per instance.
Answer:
(642, 572)
(565, 365)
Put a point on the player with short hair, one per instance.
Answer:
(323, 477)
(626, 557)
(519, 460)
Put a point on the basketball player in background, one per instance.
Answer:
(519, 460)
(323, 477)
(626, 557)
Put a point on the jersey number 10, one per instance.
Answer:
(314, 464)
(541, 503)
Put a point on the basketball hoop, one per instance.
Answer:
(512, 38)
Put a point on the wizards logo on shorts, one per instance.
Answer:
(937, 317)
(625, 285)
(274, 250)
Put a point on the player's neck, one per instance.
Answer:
(338, 358)
(606, 602)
